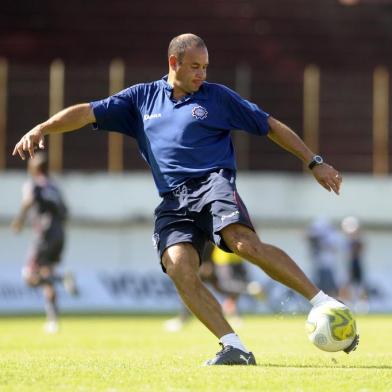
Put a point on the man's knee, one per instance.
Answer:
(181, 261)
(30, 278)
(50, 292)
(31, 281)
(240, 239)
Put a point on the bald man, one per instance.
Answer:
(183, 127)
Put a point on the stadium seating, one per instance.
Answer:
(277, 42)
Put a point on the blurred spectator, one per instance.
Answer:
(324, 243)
(355, 289)
(42, 196)
(233, 281)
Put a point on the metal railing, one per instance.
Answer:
(312, 88)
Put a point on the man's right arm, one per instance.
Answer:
(69, 119)
(27, 203)
(18, 222)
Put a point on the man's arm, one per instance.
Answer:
(18, 222)
(69, 119)
(282, 135)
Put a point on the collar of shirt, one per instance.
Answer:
(201, 94)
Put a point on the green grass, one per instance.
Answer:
(135, 354)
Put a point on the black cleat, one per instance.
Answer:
(353, 346)
(231, 356)
(70, 284)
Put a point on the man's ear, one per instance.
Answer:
(173, 62)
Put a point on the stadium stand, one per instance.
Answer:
(276, 42)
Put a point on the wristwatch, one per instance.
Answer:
(316, 160)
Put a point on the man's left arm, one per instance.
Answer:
(281, 134)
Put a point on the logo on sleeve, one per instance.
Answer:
(152, 116)
(155, 240)
(199, 112)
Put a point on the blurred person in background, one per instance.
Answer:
(354, 291)
(234, 281)
(183, 128)
(42, 197)
(324, 242)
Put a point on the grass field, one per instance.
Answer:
(135, 354)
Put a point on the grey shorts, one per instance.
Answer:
(197, 211)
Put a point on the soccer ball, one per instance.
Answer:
(331, 326)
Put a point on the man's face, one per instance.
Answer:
(191, 71)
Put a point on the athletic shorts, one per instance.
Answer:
(47, 249)
(197, 211)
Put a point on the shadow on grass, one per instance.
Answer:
(331, 366)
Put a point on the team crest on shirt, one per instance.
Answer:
(199, 112)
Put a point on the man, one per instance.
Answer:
(355, 290)
(41, 195)
(182, 125)
(324, 243)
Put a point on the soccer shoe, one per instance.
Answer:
(51, 327)
(173, 325)
(353, 346)
(231, 356)
(70, 284)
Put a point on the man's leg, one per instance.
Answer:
(50, 300)
(272, 260)
(182, 264)
(51, 307)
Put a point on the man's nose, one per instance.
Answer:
(201, 74)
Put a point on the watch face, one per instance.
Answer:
(318, 159)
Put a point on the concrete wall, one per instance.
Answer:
(293, 198)
(109, 237)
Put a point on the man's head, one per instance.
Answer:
(39, 164)
(188, 61)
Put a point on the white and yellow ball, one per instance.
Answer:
(331, 326)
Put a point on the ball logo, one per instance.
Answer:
(321, 339)
(342, 324)
(199, 112)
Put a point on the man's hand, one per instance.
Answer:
(328, 177)
(29, 142)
